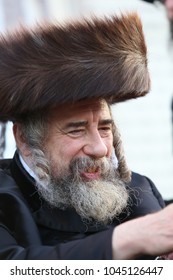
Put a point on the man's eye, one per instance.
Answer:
(76, 132)
(105, 131)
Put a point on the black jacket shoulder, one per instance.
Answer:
(23, 237)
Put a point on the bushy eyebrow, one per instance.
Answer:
(105, 121)
(77, 124)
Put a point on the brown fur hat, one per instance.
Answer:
(56, 64)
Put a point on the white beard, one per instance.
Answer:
(101, 200)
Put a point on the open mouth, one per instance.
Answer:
(92, 169)
(92, 173)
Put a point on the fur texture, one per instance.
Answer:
(56, 64)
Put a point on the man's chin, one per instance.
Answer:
(99, 200)
(99, 194)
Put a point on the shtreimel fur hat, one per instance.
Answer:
(56, 64)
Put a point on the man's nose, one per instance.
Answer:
(95, 146)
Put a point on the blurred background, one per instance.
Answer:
(145, 124)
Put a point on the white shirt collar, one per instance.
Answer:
(27, 168)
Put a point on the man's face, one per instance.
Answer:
(80, 130)
(82, 174)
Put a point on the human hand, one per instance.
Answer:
(149, 235)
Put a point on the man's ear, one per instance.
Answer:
(20, 140)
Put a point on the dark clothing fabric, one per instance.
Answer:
(152, 1)
(30, 229)
(149, 1)
(169, 201)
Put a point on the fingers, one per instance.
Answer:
(151, 234)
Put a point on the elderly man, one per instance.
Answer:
(68, 193)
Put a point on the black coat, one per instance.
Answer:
(30, 229)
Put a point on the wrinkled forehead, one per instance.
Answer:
(83, 106)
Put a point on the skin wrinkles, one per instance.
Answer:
(77, 160)
(82, 129)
